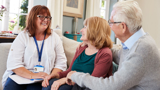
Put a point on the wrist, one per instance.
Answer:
(55, 75)
(31, 75)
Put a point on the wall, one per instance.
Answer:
(151, 18)
(68, 21)
(40, 2)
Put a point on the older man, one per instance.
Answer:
(139, 59)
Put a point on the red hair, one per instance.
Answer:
(31, 25)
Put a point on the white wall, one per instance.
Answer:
(40, 2)
(151, 18)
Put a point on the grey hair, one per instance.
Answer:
(130, 13)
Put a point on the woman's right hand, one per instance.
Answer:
(45, 82)
(56, 84)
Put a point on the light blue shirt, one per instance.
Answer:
(131, 40)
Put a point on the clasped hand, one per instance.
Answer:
(58, 83)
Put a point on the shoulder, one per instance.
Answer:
(146, 44)
(80, 49)
(23, 35)
(105, 50)
(104, 54)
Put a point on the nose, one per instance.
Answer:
(81, 30)
(45, 19)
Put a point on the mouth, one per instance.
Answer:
(44, 24)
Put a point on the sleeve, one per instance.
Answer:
(61, 60)
(125, 78)
(103, 65)
(64, 74)
(16, 53)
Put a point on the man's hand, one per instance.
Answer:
(81, 45)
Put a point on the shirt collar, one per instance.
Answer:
(131, 40)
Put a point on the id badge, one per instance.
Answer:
(38, 68)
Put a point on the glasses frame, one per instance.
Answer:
(45, 17)
(109, 22)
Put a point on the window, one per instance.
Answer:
(15, 18)
(104, 6)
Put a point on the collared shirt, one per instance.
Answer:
(131, 40)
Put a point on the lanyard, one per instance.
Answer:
(39, 53)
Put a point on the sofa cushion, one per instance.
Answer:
(59, 32)
(69, 48)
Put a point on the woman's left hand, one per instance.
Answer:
(58, 83)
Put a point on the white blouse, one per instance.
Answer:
(23, 53)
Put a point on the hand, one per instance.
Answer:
(81, 45)
(69, 81)
(39, 75)
(45, 82)
(58, 83)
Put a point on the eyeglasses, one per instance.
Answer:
(109, 22)
(41, 17)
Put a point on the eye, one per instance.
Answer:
(41, 16)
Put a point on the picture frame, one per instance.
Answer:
(73, 8)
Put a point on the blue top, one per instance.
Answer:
(84, 63)
(131, 40)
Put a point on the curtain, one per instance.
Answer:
(30, 5)
(56, 9)
(93, 8)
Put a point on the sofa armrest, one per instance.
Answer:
(69, 48)
(4, 50)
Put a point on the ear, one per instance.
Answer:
(124, 27)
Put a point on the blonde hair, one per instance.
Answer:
(98, 32)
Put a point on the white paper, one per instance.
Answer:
(21, 80)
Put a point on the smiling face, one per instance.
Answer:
(42, 25)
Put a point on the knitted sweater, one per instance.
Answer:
(139, 69)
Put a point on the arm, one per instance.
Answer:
(61, 60)
(23, 72)
(115, 53)
(126, 77)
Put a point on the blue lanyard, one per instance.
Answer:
(39, 53)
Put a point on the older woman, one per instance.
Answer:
(95, 58)
(37, 52)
